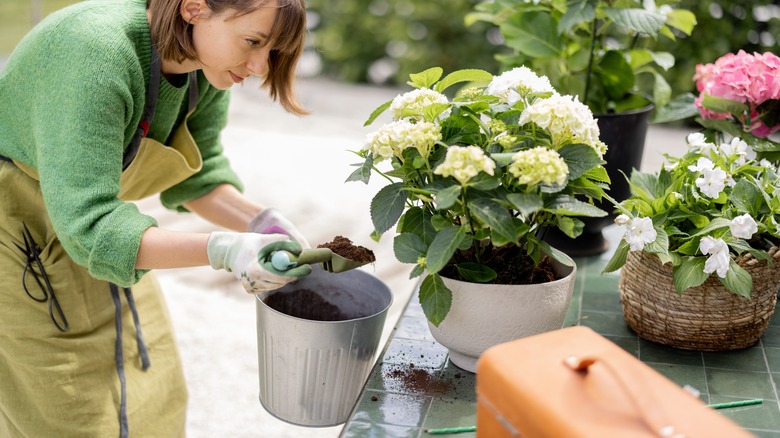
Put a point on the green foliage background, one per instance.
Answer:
(352, 35)
(393, 38)
(407, 36)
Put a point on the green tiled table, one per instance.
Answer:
(390, 406)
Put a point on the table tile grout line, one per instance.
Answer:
(769, 370)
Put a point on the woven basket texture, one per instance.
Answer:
(706, 318)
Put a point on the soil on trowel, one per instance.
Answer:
(345, 248)
(305, 304)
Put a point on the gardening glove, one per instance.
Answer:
(271, 221)
(248, 257)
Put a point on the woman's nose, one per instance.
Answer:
(258, 62)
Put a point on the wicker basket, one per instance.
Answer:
(707, 317)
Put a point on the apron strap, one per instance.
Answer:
(151, 105)
(119, 356)
(194, 94)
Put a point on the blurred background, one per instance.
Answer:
(381, 42)
(359, 55)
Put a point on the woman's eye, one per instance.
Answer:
(253, 43)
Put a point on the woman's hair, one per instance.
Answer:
(173, 37)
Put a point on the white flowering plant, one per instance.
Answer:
(703, 210)
(475, 180)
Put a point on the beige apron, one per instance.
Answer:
(88, 381)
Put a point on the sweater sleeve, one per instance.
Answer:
(83, 118)
(205, 124)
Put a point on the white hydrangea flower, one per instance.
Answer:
(392, 138)
(737, 147)
(712, 182)
(464, 163)
(743, 226)
(697, 141)
(539, 165)
(766, 163)
(639, 232)
(567, 119)
(701, 165)
(510, 86)
(415, 102)
(718, 251)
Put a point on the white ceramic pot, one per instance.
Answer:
(483, 315)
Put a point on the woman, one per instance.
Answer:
(103, 103)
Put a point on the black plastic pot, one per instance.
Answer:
(624, 133)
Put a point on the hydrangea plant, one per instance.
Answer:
(721, 198)
(481, 174)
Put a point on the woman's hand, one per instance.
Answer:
(271, 221)
(247, 256)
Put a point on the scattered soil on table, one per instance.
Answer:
(345, 248)
(419, 380)
(305, 304)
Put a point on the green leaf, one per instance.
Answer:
(713, 225)
(638, 20)
(618, 258)
(555, 253)
(647, 183)
(746, 196)
(466, 75)
(416, 271)
(427, 78)
(494, 215)
(435, 299)
(377, 112)
(533, 34)
(408, 247)
(448, 197)
(430, 112)
(418, 221)
(662, 91)
(681, 107)
(661, 243)
(526, 203)
(443, 247)
(570, 206)
(691, 247)
(579, 11)
(616, 74)
(665, 60)
(737, 280)
(570, 226)
(476, 272)
(579, 158)
(363, 172)
(721, 105)
(681, 20)
(387, 206)
(689, 274)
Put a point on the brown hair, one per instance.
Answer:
(173, 37)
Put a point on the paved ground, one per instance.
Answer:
(298, 165)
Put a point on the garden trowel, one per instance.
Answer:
(330, 261)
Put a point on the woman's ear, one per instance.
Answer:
(191, 10)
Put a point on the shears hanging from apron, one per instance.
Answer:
(148, 167)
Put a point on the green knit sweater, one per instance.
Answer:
(71, 97)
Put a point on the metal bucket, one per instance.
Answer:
(312, 372)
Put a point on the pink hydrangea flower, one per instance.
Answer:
(741, 77)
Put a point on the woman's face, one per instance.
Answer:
(230, 48)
